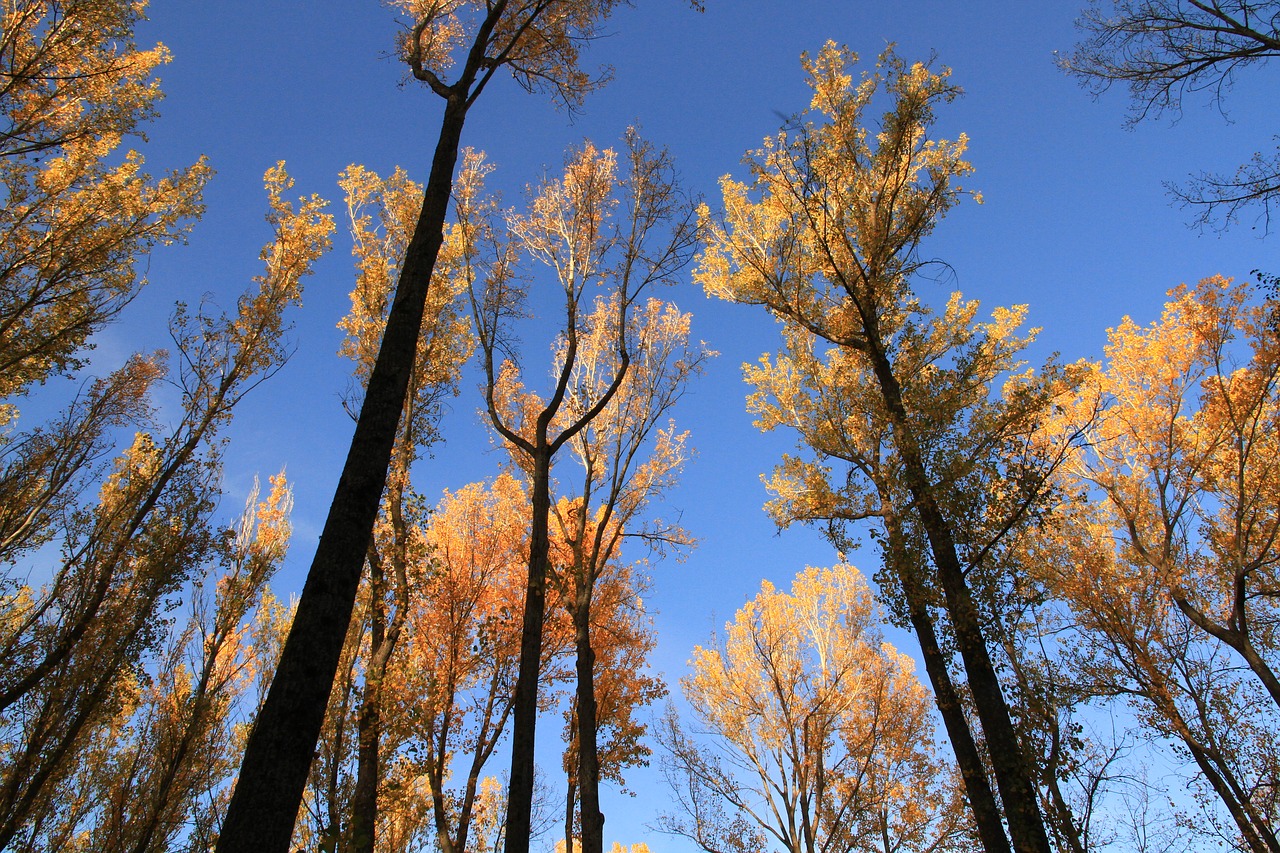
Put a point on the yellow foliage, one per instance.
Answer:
(78, 212)
(538, 41)
(825, 720)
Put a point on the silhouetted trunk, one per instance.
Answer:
(278, 755)
(982, 801)
(525, 707)
(570, 800)
(592, 821)
(364, 799)
(1015, 778)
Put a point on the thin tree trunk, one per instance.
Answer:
(1257, 836)
(570, 800)
(364, 799)
(525, 706)
(273, 775)
(592, 820)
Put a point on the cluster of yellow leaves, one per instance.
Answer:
(618, 847)
(103, 613)
(1166, 553)
(382, 214)
(831, 241)
(77, 214)
(1185, 452)
(450, 692)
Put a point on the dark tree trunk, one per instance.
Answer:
(570, 800)
(592, 821)
(278, 755)
(1015, 779)
(364, 799)
(525, 707)
(982, 801)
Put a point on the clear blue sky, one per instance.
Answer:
(1075, 222)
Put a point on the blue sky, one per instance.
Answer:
(1075, 223)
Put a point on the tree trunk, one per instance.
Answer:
(525, 706)
(982, 801)
(364, 799)
(273, 775)
(570, 800)
(588, 758)
(1014, 778)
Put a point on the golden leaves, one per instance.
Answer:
(382, 214)
(538, 41)
(826, 233)
(1183, 447)
(823, 721)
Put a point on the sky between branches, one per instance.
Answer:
(1075, 223)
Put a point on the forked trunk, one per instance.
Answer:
(525, 707)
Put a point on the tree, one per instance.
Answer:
(620, 640)
(572, 229)
(1176, 514)
(626, 461)
(539, 41)
(77, 213)
(821, 737)
(828, 239)
(77, 216)
(1165, 49)
(74, 645)
(156, 772)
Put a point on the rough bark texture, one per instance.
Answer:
(278, 756)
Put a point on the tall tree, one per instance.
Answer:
(828, 239)
(397, 546)
(455, 687)
(613, 238)
(539, 42)
(158, 770)
(821, 736)
(1163, 50)
(77, 216)
(626, 460)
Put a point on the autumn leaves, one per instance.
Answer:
(1058, 540)
(117, 711)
